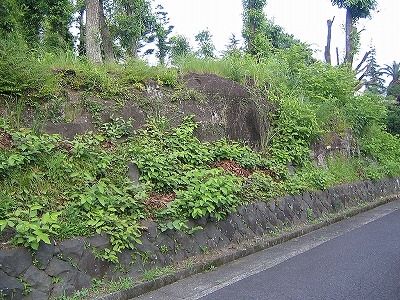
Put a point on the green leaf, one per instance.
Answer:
(3, 224)
(101, 187)
(41, 236)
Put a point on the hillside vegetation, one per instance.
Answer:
(52, 188)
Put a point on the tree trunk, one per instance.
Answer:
(133, 47)
(349, 38)
(337, 56)
(105, 36)
(93, 38)
(328, 41)
(82, 43)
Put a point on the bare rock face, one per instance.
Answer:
(228, 110)
(330, 145)
(223, 107)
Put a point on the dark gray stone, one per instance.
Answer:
(280, 215)
(99, 241)
(199, 237)
(82, 280)
(241, 227)
(127, 257)
(212, 232)
(241, 210)
(226, 228)
(187, 244)
(151, 231)
(15, 261)
(94, 267)
(36, 295)
(288, 208)
(237, 237)
(133, 173)
(222, 242)
(10, 287)
(298, 203)
(249, 218)
(38, 280)
(164, 241)
(271, 204)
(65, 275)
(7, 235)
(261, 207)
(307, 199)
(261, 219)
(68, 130)
(44, 254)
(57, 267)
(72, 249)
(61, 289)
(149, 252)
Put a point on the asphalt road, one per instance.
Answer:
(357, 258)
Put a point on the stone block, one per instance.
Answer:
(72, 249)
(91, 265)
(307, 199)
(241, 227)
(151, 231)
(36, 295)
(44, 254)
(200, 238)
(62, 289)
(271, 204)
(16, 261)
(99, 241)
(237, 237)
(10, 287)
(38, 280)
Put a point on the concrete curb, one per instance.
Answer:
(241, 250)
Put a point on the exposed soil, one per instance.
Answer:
(5, 139)
(232, 166)
(160, 201)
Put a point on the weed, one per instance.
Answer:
(152, 274)
(310, 214)
(121, 284)
(116, 128)
(188, 264)
(203, 249)
(212, 268)
(164, 249)
(55, 280)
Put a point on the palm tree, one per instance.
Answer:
(393, 71)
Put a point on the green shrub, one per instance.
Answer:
(206, 192)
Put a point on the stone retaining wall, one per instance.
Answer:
(70, 265)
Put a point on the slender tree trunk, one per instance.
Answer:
(349, 38)
(252, 28)
(82, 42)
(133, 48)
(328, 58)
(105, 36)
(337, 56)
(93, 38)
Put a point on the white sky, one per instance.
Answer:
(305, 19)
